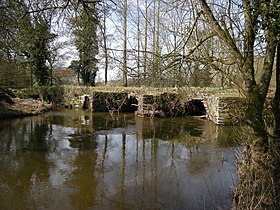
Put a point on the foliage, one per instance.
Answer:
(12, 75)
(39, 50)
(85, 29)
(26, 40)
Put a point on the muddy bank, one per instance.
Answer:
(16, 107)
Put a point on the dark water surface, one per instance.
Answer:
(79, 160)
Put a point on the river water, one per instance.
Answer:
(82, 160)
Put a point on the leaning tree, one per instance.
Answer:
(247, 29)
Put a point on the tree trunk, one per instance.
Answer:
(106, 60)
(256, 93)
(153, 80)
(138, 43)
(125, 43)
(254, 117)
(155, 51)
(146, 38)
(103, 31)
(276, 100)
(258, 171)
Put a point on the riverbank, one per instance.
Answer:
(258, 175)
(17, 107)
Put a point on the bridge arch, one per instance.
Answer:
(195, 107)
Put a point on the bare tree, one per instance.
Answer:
(125, 43)
(146, 39)
(103, 29)
(138, 41)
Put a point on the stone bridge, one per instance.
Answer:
(218, 105)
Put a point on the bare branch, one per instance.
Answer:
(223, 34)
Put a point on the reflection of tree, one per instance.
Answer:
(228, 136)
(173, 182)
(168, 128)
(198, 162)
(143, 166)
(28, 134)
(83, 140)
(84, 177)
(102, 169)
(104, 154)
(222, 136)
(122, 186)
(8, 135)
(24, 134)
(102, 122)
(38, 134)
(136, 161)
(29, 165)
(154, 169)
(73, 119)
(84, 180)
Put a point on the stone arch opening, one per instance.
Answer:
(87, 102)
(131, 104)
(195, 107)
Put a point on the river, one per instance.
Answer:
(82, 160)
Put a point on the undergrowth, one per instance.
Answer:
(258, 185)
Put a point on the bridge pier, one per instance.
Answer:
(223, 110)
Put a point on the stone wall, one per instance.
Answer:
(73, 96)
(113, 101)
(219, 109)
(168, 105)
(223, 110)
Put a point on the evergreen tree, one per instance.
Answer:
(25, 41)
(85, 29)
(39, 50)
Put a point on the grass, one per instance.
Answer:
(157, 91)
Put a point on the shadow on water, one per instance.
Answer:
(80, 160)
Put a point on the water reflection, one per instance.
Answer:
(80, 160)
